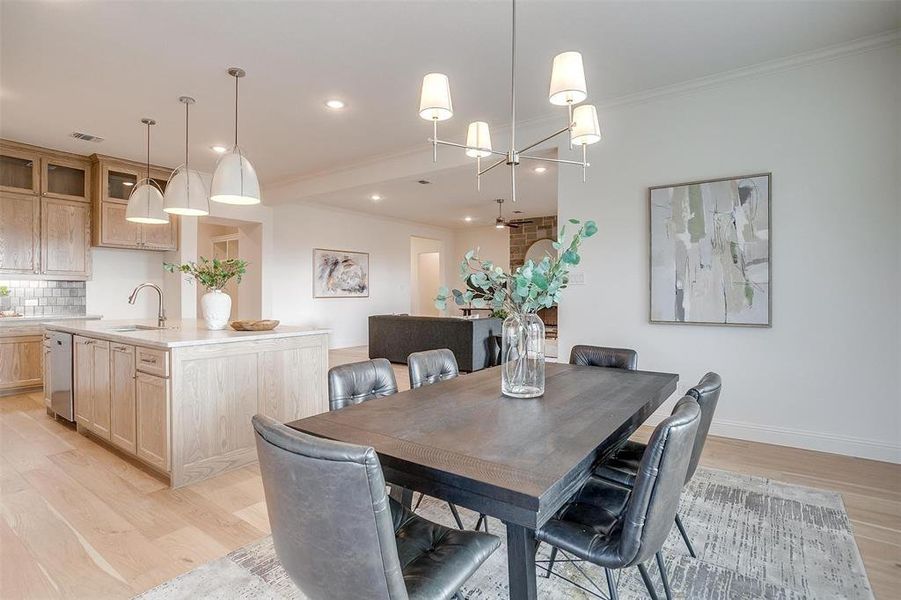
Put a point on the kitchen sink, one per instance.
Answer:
(127, 328)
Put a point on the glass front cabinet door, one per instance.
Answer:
(65, 179)
(19, 171)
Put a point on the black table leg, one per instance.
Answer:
(521, 550)
(402, 495)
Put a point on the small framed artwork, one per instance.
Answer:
(340, 274)
(710, 252)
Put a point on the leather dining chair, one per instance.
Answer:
(357, 382)
(431, 366)
(338, 534)
(616, 527)
(599, 356)
(622, 466)
(426, 368)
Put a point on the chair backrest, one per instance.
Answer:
(495, 348)
(707, 393)
(431, 366)
(331, 519)
(599, 356)
(658, 484)
(357, 382)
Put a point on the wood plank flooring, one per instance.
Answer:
(78, 521)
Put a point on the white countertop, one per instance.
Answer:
(177, 333)
(35, 319)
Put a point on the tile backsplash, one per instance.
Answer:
(38, 298)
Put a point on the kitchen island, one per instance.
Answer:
(180, 399)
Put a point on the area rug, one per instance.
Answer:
(754, 538)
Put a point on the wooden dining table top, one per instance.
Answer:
(464, 441)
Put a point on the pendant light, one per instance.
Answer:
(186, 193)
(235, 180)
(145, 203)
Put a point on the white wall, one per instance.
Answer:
(115, 275)
(424, 283)
(299, 228)
(492, 244)
(827, 375)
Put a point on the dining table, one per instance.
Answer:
(518, 460)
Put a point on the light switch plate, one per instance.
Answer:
(577, 278)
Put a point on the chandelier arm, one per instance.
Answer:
(556, 160)
(498, 163)
(465, 147)
(541, 141)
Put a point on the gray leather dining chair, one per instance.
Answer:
(431, 366)
(338, 534)
(616, 527)
(357, 382)
(622, 466)
(599, 356)
(426, 368)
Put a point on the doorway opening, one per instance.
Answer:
(231, 238)
(426, 263)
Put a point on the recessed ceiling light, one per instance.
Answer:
(375, 197)
(219, 149)
(128, 183)
(335, 104)
(467, 219)
(540, 169)
(424, 181)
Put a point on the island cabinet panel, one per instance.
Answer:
(122, 397)
(152, 402)
(217, 388)
(92, 385)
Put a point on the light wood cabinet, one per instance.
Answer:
(65, 238)
(66, 178)
(113, 181)
(20, 234)
(92, 385)
(19, 169)
(48, 364)
(152, 400)
(122, 397)
(20, 362)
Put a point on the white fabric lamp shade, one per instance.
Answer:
(435, 101)
(235, 180)
(186, 194)
(145, 204)
(586, 129)
(478, 136)
(567, 80)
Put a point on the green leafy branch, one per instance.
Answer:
(530, 288)
(211, 274)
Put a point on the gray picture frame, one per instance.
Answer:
(769, 221)
(350, 253)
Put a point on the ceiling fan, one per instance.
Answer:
(500, 222)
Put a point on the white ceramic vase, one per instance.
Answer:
(217, 308)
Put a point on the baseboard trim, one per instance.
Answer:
(800, 438)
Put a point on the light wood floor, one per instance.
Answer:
(80, 522)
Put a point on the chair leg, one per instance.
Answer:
(456, 515)
(550, 564)
(611, 585)
(418, 502)
(663, 577)
(688, 545)
(647, 581)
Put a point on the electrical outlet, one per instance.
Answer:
(577, 278)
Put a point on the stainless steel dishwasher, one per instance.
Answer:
(61, 396)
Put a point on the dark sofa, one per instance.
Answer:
(395, 337)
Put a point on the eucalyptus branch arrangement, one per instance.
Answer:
(211, 274)
(530, 288)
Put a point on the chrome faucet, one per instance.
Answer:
(161, 316)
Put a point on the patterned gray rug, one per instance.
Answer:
(755, 538)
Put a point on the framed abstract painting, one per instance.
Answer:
(710, 252)
(340, 274)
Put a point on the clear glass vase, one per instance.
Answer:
(522, 356)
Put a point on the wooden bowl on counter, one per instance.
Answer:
(250, 325)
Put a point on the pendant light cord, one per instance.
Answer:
(148, 151)
(186, 135)
(513, 104)
(236, 111)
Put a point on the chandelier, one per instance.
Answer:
(567, 89)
